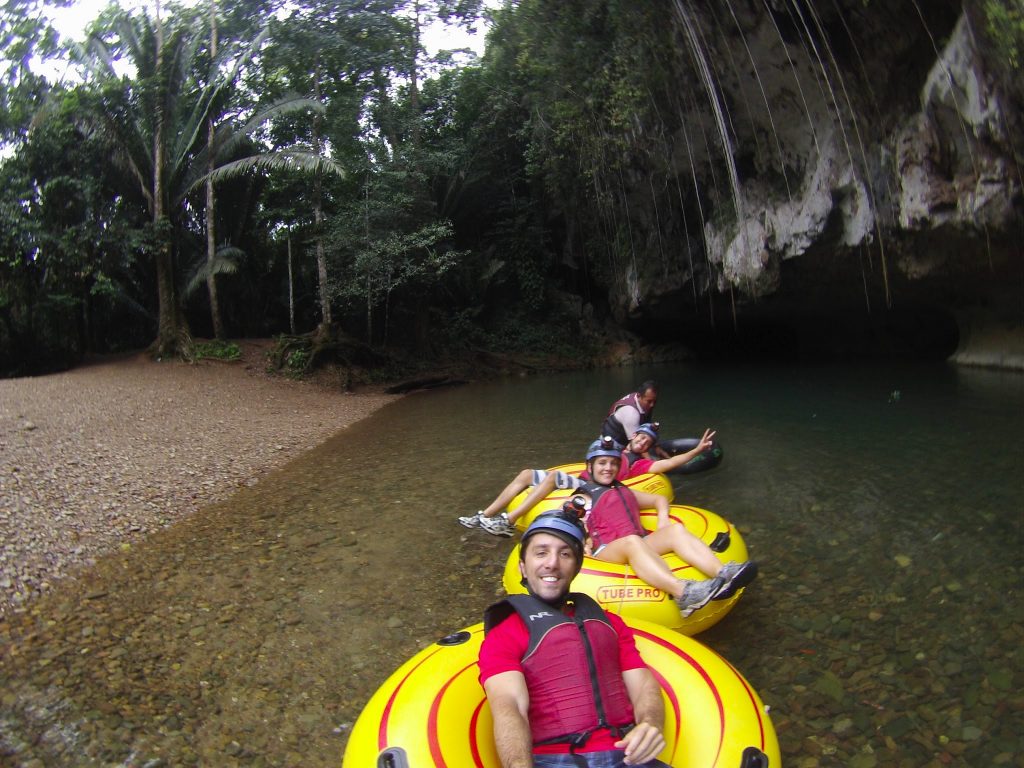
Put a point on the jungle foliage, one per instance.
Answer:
(261, 168)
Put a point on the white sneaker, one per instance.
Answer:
(736, 576)
(498, 525)
(697, 594)
(471, 521)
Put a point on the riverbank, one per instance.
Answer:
(94, 459)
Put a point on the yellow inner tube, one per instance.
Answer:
(432, 710)
(619, 590)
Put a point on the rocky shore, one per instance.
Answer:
(96, 458)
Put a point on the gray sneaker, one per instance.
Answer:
(737, 576)
(498, 525)
(471, 521)
(697, 594)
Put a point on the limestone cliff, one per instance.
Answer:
(849, 160)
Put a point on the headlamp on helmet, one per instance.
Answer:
(575, 507)
(604, 446)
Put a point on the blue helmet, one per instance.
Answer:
(557, 524)
(604, 446)
(651, 430)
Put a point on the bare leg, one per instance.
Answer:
(647, 564)
(534, 497)
(521, 482)
(675, 538)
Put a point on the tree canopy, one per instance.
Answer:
(316, 169)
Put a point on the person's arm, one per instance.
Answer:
(674, 462)
(654, 501)
(510, 702)
(645, 741)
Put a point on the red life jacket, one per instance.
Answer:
(614, 513)
(571, 666)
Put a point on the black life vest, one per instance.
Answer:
(613, 427)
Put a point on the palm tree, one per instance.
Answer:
(157, 122)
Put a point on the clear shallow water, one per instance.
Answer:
(885, 505)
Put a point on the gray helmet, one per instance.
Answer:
(604, 446)
(557, 524)
(651, 430)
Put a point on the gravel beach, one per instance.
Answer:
(95, 458)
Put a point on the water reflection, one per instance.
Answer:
(885, 629)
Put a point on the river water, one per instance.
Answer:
(884, 503)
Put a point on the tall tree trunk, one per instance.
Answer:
(366, 244)
(167, 325)
(318, 213)
(211, 239)
(321, 261)
(291, 288)
(388, 125)
(414, 93)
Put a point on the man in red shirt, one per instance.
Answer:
(563, 678)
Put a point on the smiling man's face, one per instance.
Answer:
(549, 565)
